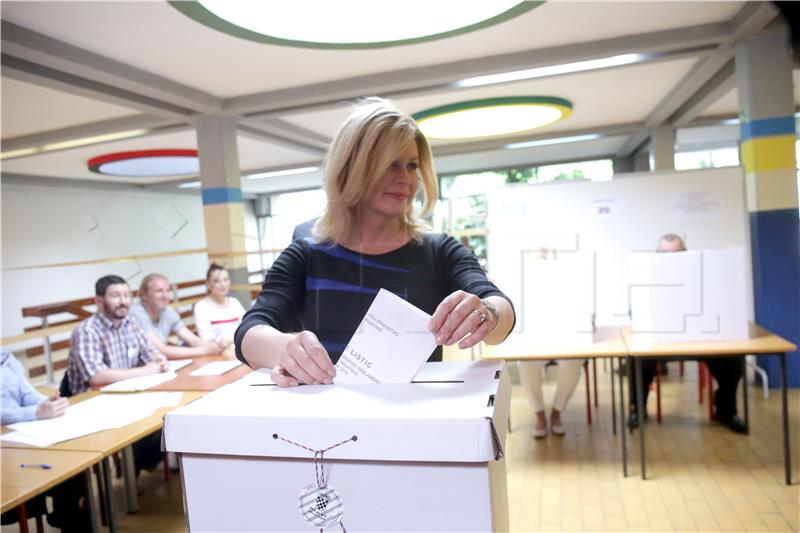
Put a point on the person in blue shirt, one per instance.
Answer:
(21, 402)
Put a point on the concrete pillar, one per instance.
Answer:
(662, 148)
(641, 161)
(623, 164)
(764, 79)
(223, 211)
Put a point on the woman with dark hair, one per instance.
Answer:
(218, 315)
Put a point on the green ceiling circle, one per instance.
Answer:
(492, 102)
(201, 14)
(492, 117)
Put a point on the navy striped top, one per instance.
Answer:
(327, 288)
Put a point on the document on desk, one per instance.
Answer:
(140, 383)
(102, 412)
(177, 364)
(217, 368)
(389, 346)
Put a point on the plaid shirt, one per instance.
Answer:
(97, 345)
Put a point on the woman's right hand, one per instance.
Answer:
(305, 360)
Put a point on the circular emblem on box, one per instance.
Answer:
(320, 506)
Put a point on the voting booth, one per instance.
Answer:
(420, 456)
(689, 296)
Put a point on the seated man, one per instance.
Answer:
(726, 370)
(158, 320)
(22, 403)
(108, 347)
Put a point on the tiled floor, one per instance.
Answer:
(702, 476)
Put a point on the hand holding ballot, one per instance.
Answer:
(305, 360)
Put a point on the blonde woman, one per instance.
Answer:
(369, 237)
(218, 315)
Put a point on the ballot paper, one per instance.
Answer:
(106, 411)
(217, 368)
(391, 343)
(140, 383)
(177, 364)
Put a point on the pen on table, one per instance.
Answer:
(43, 466)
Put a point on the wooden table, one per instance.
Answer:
(109, 441)
(607, 343)
(21, 484)
(185, 382)
(760, 342)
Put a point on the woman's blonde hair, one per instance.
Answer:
(367, 143)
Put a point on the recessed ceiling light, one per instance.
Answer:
(492, 117)
(350, 23)
(147, 163)
(555, 140)
(73, 143)
(552, 70)
(275, 173)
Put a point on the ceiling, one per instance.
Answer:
(78, 70)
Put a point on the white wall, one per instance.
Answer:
(47, 224)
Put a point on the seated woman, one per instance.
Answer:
(369, 237)
(530, 375)
(218, 315)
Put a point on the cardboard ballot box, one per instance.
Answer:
(689, 296)
(428, 455)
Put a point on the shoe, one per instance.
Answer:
(735, 424)
(558, 429)
(539, 433)
(633, 420)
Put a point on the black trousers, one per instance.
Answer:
(726, 370)
(147, 452)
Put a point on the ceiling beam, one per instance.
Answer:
(23, 70)
(287, 130)
(499, 144)
(752, 18)
(45, 51)
(662, 45)
(91, 129)
(718, 86)
(263, 134)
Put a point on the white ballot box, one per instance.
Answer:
(689, 296)
(421, 456)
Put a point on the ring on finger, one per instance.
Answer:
(482, 316)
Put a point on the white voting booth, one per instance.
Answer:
(689, 296)
(427, 455)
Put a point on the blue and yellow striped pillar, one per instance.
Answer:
(223, 210)
(764, 77)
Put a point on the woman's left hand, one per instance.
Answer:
(459, 315)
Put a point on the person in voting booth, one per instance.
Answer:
(110, 346)
(369, 237)
(726, 370)
(159, 320)
(21, 402)
(530, 375)
(218, 315)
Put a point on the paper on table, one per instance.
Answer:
(391, 343)
(140, 383)
(93, 415)
(177, 364)
(217, 368)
